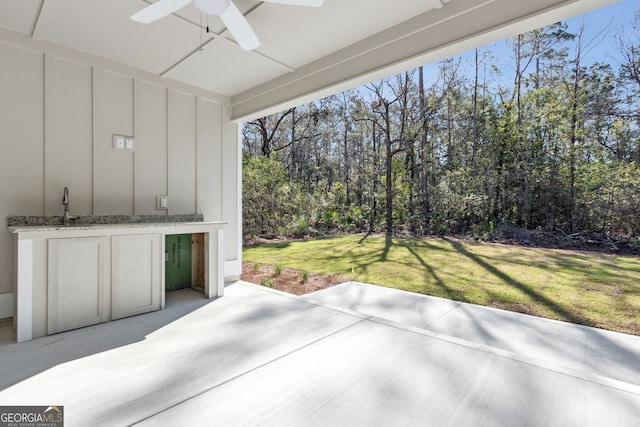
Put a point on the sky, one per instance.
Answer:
(603, 24)
(610, 19)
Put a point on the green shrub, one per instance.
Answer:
(265, 281)
(277, 269)
(300, 228)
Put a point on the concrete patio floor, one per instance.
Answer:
(261, 357)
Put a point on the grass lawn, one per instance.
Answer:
(581, 287)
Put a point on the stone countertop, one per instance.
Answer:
(124, 226)
(47, 227)
(93, 220)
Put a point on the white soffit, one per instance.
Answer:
(103, 28)
(20, 18)
(297, 36)
(223, 67)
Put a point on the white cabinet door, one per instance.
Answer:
(77, 283)
(135, 274)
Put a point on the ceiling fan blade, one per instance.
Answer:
(310, 3)
(158, 10)
(239, 27)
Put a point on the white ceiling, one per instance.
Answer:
(304, 52)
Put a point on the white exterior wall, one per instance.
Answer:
(59, 110)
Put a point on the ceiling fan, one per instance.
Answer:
(233, 19)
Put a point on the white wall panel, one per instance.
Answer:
(209, 159)
(232, 190)
(182, 153)
(68, 136)
(113, 169)
(150, 147)
(22, 140)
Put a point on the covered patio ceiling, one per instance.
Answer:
(305, 53)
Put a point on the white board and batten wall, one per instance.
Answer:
(59, 110)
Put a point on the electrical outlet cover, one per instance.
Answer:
(118, 142)
(162, 202)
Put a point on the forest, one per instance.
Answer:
(541, 136)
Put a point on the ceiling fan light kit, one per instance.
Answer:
(211, 7)
(232, 18)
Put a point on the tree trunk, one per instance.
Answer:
(388, 171)
(474, 149)
(293, 170)
(573, 129)
(374, 185)
(424, 155)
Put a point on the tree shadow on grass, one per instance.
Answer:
(273, 245)
(532, 293)
(364, 237)
(387, 245)
(451, 293)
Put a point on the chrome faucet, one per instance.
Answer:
(66, 219)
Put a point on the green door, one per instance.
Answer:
(177, 261)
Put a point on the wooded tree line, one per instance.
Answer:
(544, 138)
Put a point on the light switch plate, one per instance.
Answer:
(122, 142)
(162, 202)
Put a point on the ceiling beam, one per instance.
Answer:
(46, 13)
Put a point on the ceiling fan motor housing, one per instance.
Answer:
(211, 7)
(231, 16)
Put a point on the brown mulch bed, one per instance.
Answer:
(289, 280)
